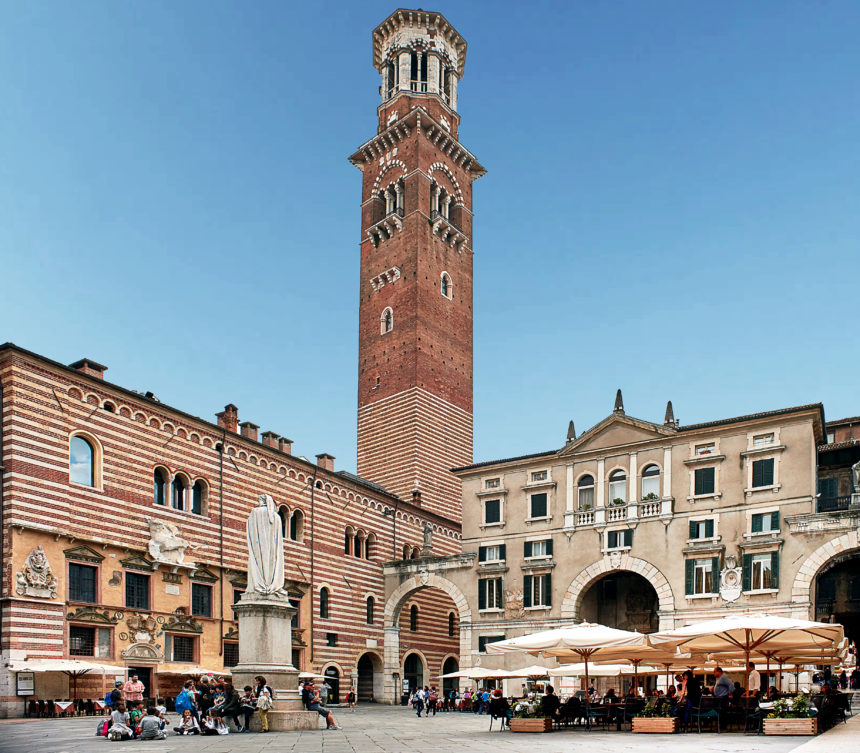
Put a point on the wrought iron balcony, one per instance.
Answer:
(833, 504)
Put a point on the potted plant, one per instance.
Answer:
(529, 717)
(791, 718)
(649, 496)
(618, 501)
(655, 718)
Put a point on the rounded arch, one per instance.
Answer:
(802, 594)
(572, 604)
(297, 526)
(391, 165)
(446, 286)
(85, 459)
(200, 497)
(399, 596)
(386, 320)
(458, 193)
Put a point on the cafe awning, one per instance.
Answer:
(69, 666)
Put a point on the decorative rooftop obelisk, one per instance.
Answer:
(265, 622)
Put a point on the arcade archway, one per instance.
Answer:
(369, 685)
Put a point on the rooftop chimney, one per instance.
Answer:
(571, 432)
(89, 367)
(228, 418)
(325, 461)
(669, 420)
(249, 430)
(285, 445)
(416, 497)
(270, 439)
(619, 403)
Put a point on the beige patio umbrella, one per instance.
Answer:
(586, 640)
(749, 633)
(532, 671)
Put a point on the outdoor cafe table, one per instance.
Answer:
(100, 704)
(62, 707)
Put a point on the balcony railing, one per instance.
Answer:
(418, 86)
(833, 504)
(632, 511)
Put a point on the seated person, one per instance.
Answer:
(187, 725)
(670, 692)
(214, 724)
(150, 726)
(610, 696)
(499, 706)
(135, 714)
(119, 724)
(314, 704)
(572, 709)
(551, 703)
(772, 693)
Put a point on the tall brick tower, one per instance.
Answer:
(415, 315)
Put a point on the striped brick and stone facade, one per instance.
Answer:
(107, 524)
(415, 316)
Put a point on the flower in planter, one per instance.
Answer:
(618, 501)
(798, 709)
(649, 496)
(527, 710)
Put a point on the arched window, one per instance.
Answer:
(369, 545)
(347, 540)
(446, 287)
(82, 462)
(414, 555)
(650, 482)
(284, 515)
(324, 603)
(297, 526)
(198, 497)
(386, 321)
(109, 407)
(585, 492)
(413, 618)
(357, 545)
(370, 605)
(450, 624)
(407, 552)
(618, 487)
(159, 494)
(178, 491)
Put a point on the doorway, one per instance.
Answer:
(332, 677)
(144, 674)
(450, 683)
(413, 672)
(369, 677)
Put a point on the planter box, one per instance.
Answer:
(531, 725)
(791, 726)
(664, 724)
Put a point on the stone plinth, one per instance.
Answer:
(265, 648)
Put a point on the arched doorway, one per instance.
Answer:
(332, 677)
(622, 600)
(413, 671)
(450, 683)
(837, 593)
(369, 670)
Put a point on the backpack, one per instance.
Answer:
(102, 728)
(434, 697)
(108, 699)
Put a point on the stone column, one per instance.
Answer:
(266, 648)
(432, 72)
(453, 102)
(404, 61)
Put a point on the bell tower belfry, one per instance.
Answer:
(415, 313)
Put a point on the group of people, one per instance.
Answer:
(205, 708)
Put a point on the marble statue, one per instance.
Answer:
(37, 579)
(265, 549)
(855, 476)
(428, 536)
(165, 543)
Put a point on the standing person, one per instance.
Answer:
(264, 706)
(432, 701)
(204, 697)
(115, 696)
(317, 705)
(249, 705)
(133, 690)
(350, 700)
(550, 703)
(723, 686)
(324, 692)
(754, 688)
(417, 702)
(185, 701)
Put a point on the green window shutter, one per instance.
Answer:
(767, 470)
(697, 489)
(709, 528)
(527, 590)
(527, 549)
(612, 539)
(482, 594)
(756, 474)
(628, 537)
(503, 552)
(482, 554)
(694, 530)
(499, 599)
(774, 569)
(715, 574)
(746, 580)
(688, 576)
(549, 547)
(774, 520)
(756, 522)
(548, 589)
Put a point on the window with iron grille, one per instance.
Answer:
(136, 590)
(201, 600)
(180, 647)
(231, 654)
(88, 641)
(82, 583)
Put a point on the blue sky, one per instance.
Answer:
(671, 207)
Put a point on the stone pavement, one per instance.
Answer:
(387, 729)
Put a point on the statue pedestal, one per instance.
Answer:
(266, 648)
